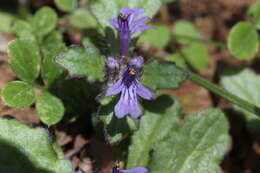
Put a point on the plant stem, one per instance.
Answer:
(225, 94)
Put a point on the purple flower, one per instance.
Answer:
(127, 23)
(112, 63)
(130, 88)
(133, 170)
(79, 171)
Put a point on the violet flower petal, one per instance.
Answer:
(134, 108)
(135, 13)
(143, 91)
(130, 89)
(136, 62)
(112, 63)
(126, 10)
(79, 171)
(133, 23)
(115, 89)
(126, 23)
(128, 103)
(141, 28)
(135, 170)
(114, 22)
(121, 108)
(139, 22)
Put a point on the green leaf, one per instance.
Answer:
(83, 19)
(31, 148)
(245, 84)
(196, 55)
(177, 58)
(254, 12)
(167, 1)
(105, 41)
(23, 29)
(158, 37)
(243, 42)
(24, 59)
(66, 5)
(6, 22)
(151, 6)
(156, 124)
(18, 94)
(158, 75)
(49, 108)
(52, 41)
(73, 92)
(105, 10)
(116, 129)
(185, 32)
(44, 21)
(50, 72)
(197, 146)
(82, 61)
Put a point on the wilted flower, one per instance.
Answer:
(127, 23)
(130, 89)
(133, 170)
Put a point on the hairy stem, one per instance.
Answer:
(225, 94)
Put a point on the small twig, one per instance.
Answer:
(225, 94)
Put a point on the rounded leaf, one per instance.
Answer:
(198, 145)
(50, 73)
(18, 94)
(245, 84)
(177, 58)
(196, 55)
(159, 75)
(29, 150)
(158, 37)
(44, 21)
(23, 29)
(49, 108)
(6, 22)
(66, 5)
(243, 42)
(254, 12)
(53, 41)
(82, 19)
(24, 59)
(82, 61)
(185, 32)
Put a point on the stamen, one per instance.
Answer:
(117, 166)
(132, 73)
(122, 16)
